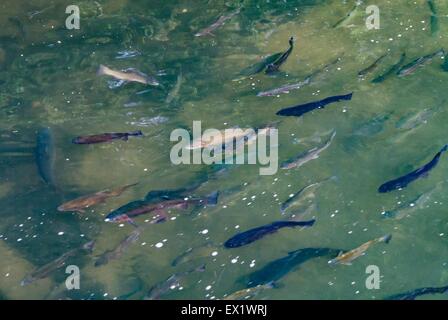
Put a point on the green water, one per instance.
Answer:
(48, 79)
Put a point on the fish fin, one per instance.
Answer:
(212, 198)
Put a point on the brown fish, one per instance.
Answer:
(106, 137)
(84, 202)
(128, 75)
(221, 21)
(347, 257)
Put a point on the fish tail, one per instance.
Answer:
(212, 199)
(386, 238)
(445, 147)
(102, 70)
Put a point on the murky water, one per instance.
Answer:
(48, 79)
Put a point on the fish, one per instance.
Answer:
(348, 16)
(106, 137)
(218, 23)
(225, 138)
(372, 67)
(303, 194)
(277, 269)
(249, 236)
(137, 208)
(284, 89)
(309, 155)
(192, 254)
(128, 75)
(434, 18)
(171, 283)
(173, 94)
(274, 66)
(372, 126)
(392, 70)
(249, 293)
(412, 121)
(346, 258)
(84, 202)
(411, 67)
(299, 110)
(258, 67)
(403, 181)
(45, 155)
(413, 294)
(47, 269)
(405, 209)
(120, 249)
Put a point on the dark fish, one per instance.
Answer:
(45, 155)
(372, 67)
(274, 66)
(392, 70)
(46, 270)
(249, 236)
(411, 295)
(300, 110)
(258, 67)
(411, 67)
(173, 282)
(403, 181)
(137, 208)
(106, 137)
(277, 269)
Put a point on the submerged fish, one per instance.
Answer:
(258, 67)
(410, 68)
(403, 181)
(309, 155)
(348, 16)
(372, 67)
(249, 236)
(249, 293)
(46, 270)
(45, 155)
(173, 94)
(347, 257)
(412, 295)
(119, 250)
(413, 120)
(137, 208)
(84, 202)
(392, 70)
(299, 110)
(128, 75)
(284, 89)
(218, 23)
(434, 19)
(302, 195)
(192, 254)
(106, 137)
(277, 269)
(274, 66)
(171, 283)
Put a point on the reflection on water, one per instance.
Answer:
(50, 93)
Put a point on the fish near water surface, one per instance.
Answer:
(372, 67)
(249, 293)
(347, 257)
(274, 66)
(106, 137)
(300, 110)
(403, 181)
(84, 202)
(309, 155)
(392, 70)
(47, 269)
(45, 155)
(128, 75)
(249, 236)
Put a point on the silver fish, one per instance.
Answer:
(221, 21)
(309, 155)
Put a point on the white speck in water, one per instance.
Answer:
(121, 225)
(159, 245)
(224, 206)
(20, 239)
(143, 243)
(234, 260)
(291, 195)
(173, 218)
(214, 253)
(60, 233)
(105, 295)
(208, 287)
(205, 231)
(185, 199)
(350, 232)
(353, 283)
